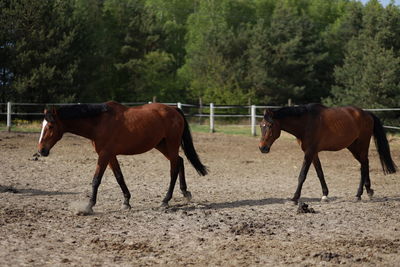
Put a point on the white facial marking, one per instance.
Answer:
(44, 123)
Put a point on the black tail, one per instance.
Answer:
(382, 146)
(188, 148)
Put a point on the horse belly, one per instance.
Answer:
(139, 145)
(133, 142)
(334, 143)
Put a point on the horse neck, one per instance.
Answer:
(81, 127)
(294, 125)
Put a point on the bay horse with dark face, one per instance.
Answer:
(319, 128)
(115, 129)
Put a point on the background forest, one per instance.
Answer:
(222, 51)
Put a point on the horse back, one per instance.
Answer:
(135, 130)
(154, 114)
(341, 126)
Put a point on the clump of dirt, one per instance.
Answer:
(304, 208)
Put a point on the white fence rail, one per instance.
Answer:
(252, 112)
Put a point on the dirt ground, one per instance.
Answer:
(239, 215)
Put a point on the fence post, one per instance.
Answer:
(253, 120)
(179, 105)
(212, 129)
(9, 116)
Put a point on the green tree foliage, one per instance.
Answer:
(223, 51)
(369, 77)
(208, 71)
(370, 74)
(39, 43)
(99, 39)
(284, 57)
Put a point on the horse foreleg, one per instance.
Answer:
(302, 177)
(174, 175)
(98, 175)
(320, 174)
(114, 165)
(182, 180)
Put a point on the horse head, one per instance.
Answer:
(52, 131)
(270, 131)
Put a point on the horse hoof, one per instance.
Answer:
(126, 207)
(371, 194)
(293, 201)
(85, 212)
(164, 205)
(187, 195)
(357, 198)
(324, 199)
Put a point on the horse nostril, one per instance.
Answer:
(264, 149)
(44, 152)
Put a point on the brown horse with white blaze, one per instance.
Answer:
(115, 129)
(318, 128)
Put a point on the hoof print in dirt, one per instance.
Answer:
(330, 257)
(84, 212)
(303, 208)
(172, 209)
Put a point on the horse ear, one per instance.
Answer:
(268, 112)
(268, 115)
(49, 114)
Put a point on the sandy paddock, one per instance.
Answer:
(239, 215)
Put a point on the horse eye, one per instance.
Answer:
(51, 126)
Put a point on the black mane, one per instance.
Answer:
(297, 111)
(78, 111)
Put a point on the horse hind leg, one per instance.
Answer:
(170, 149)
(360, 152)
(174, 170)
(114, 165)
(182, 180)
(367, 181)
(171, 153)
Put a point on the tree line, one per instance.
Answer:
(336, 52)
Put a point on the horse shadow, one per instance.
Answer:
(268, 201)
(257, 202)
(385, 199)
(32, 192)
(238, 204)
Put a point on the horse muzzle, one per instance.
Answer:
(44, 152)
(264, 149)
